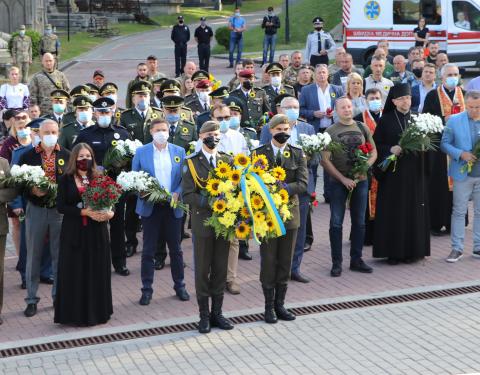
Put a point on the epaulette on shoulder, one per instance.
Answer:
(127, 110)
(296, 147)
(258, 88)
(192, 155)
(288, 86)
(185, 108)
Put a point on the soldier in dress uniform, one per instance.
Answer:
(276, 254)
(201, 103)
(83, 119)
(172, 87)
(255, 101)
(59, 100)
(110, 90)
(276, 87)
(80, 90)
(22, 52)
(100, 137)
(156, 92)
(236, 110)
(49, 43)
(93, 91)
(210, 252)
(217, 97)
(197, 76)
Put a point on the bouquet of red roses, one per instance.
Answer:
(360, 165)
(101, 194)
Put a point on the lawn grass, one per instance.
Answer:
(301, 16)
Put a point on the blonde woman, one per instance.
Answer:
(187, 87)
(14, 94)
(355, 93)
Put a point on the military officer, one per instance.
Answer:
(59, 100)
(276, 254)
(80, 90)
(45, 81)
(137, 119)
(49, 43)
(181, 132)
(276, 87)
(210, 252)
(217, 97)
(110, 90)
(83, 119)
(93, 91)
(201, 102)
(22, 52)
(171, 87)
(197, 76)
(236, 110)
(255, 101)
(156, 92)
(101, 136)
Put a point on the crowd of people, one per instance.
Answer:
(189, 126)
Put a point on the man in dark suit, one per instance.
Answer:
(210, 253)
(41, 215)
(276, 254)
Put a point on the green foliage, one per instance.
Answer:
(222, 35)
(34, 35)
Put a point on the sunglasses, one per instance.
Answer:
(20, 117)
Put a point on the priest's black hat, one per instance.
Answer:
(396, 91)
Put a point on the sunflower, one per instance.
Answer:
(279, 173)
(242, 231)
(244, 212)
(219, 206)
(235, 176)
(270, 225)
(260, 161)
(241, 160)
(223, 170)
(257, 202)
(259, 216)
(284, 194)
(212, 186)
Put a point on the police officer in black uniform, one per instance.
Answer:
(180, 36)
(110, 90)
(203, 35)
(100, 137)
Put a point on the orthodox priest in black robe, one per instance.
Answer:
(402, 218)
(443, 102)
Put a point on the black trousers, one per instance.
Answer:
(117, 235)
(204, 56)
(315, 60)
(180, 57)
(131, 220)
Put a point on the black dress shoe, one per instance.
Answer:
(307, 247)
(360, 266)
(336, 270)
(122, 271)
(131, 250)
(31, 310)
(46, 280)
(182, 294)
(245, 255)
(159, 264)
(300, 278)
(23, 285)
(145, 299)
(186, 235)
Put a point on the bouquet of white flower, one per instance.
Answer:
(30, 176)
(313, 144)
(120, 154)
(148, 188)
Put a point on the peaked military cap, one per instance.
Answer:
(59, 94)
(317, 20)
(173, 101)
(234, 103)
(159, 81)
(35, 123)
(170, 85)
(108, 87)
(79, 90)
(221, 92)
(92, 87)
(141, 87)
(82, 102)
(199, 75)
(103, 104)
(274, 67)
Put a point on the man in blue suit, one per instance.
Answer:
(317, 103)
(163, 161)
(291, 108)
(458, 141)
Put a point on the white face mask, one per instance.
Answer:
(203, 96)
(50, 140)
(160, 137)
(276, 81)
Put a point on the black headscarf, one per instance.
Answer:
(397, 91)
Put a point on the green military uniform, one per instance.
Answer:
(233, 83)
(22, 53)
(183, 132)
(128, 97)
(42, 84)
(62, 95)
(69, 132)
(172, 87)
(272, 91)
(277, 253)
(80, 90)
(49, 43)
(211, 253)
(255, 104)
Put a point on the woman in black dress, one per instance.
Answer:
(84, 293)
(421, 34)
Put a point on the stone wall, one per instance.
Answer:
(14, 13)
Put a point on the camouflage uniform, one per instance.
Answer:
(290, 75)
(22, 54)
(42, 84)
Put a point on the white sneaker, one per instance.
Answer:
(476, 253)
(454, 256)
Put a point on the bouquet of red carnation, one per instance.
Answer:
(360, 165)
(313, 201)
(101, 194)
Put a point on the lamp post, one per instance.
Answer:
(68, 20)
(287, 24)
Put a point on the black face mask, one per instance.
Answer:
(247, 85)
(211, 142)
(417, 72)
(318, 28)
(84, 164)
(281, 137)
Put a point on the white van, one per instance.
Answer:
(455, 24)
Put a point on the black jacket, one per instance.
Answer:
(271, 30)
(180, 34)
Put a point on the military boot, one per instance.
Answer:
(204, 323)
(216, 318)
(270, 316)
(282, 312)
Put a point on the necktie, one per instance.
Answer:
(278, 159)
(212, 164)
(143, 116)
(205, 106)
(319, 42)
(172, 131)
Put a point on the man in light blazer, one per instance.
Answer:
(163, 161)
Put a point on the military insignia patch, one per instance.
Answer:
(183, 116)
(184, 130)
(114, 143)
(116, 136)
(177, 159)
(61, 162)
(286, 154)
(333, 95)
(252, 94)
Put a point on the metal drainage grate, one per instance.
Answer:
(250, 318)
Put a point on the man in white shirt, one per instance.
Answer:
(461, 22)
(377, 80)
(420, 91)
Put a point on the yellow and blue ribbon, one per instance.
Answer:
(267, 199)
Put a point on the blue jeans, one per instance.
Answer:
(358, 206)
(162, 223)
(462, 190)
(269, 41)
(236, 41)
(301, 234)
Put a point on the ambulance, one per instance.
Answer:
(455, 24)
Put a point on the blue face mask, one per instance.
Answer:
(104, 121)
(84, 116)
(23, 133)
(142, 105)
(292, 114)
(172, 118)
(375, 105)
(451, 82)
(234, 123)
(22, 33)
(224, 126)
(237, 14)
(58, 107)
